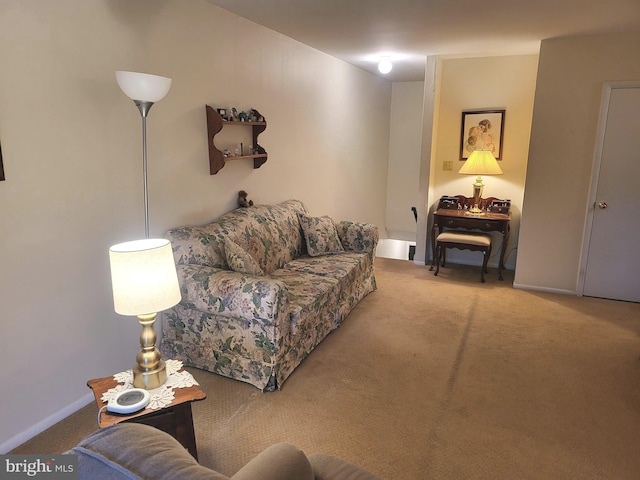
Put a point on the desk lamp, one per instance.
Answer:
(144, 282)
(480, 162)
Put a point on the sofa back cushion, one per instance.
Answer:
(269, 233)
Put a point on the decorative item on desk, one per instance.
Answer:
(480, 162)
(145, 90)
(144, 281)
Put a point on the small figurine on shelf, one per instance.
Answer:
(223, 113)
(243, 202)
(243, 116)
(234, 115)
(226, 153)
(255, 116)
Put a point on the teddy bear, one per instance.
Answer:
(242, 199)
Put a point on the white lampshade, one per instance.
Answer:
(143, 86)
(143, 277)
(481, 162)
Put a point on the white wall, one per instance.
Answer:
(71, 145)
(567, 102)
(404, 159)
(476, 84)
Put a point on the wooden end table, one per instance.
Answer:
(176, 418)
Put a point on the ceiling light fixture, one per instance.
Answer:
(385, 65)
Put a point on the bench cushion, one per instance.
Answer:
(469, 238)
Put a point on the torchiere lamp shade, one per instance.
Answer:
(143, 277)
(143, 86)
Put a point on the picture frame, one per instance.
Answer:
(482, 129)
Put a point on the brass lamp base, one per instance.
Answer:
(475, 211)
(149, 379)
(477, 194)
(150, 370)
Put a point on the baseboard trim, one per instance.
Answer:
(535, 288)
(42, 425)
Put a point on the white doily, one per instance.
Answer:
(161, 396)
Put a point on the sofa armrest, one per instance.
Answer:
(358, 237)
(232, 294)
(277, 462)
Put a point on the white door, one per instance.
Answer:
(613, 257)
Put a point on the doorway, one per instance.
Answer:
(612, 262)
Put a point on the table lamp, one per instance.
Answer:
(480, 162)
(144, 281)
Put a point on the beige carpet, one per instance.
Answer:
(444, 378)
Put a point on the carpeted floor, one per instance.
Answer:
(444, 378)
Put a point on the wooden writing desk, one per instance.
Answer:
(488, 221)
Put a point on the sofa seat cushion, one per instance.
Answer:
(342, 266)
(308, 295)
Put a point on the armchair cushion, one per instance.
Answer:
(133, 451)
(321, 235)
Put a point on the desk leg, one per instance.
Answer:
(433, 248)
(503, 251)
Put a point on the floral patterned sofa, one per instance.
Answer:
(262, 286)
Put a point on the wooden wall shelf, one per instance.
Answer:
(215, 124)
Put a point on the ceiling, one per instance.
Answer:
(361, 31)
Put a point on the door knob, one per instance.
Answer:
(602, 205)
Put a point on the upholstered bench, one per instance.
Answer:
(464, 241)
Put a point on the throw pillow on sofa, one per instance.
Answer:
(239, 260)
(321, 235)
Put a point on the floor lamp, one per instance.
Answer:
(145, 90)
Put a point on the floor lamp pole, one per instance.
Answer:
(144, 108)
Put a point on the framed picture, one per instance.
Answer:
(482, 130)
(1, 166)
